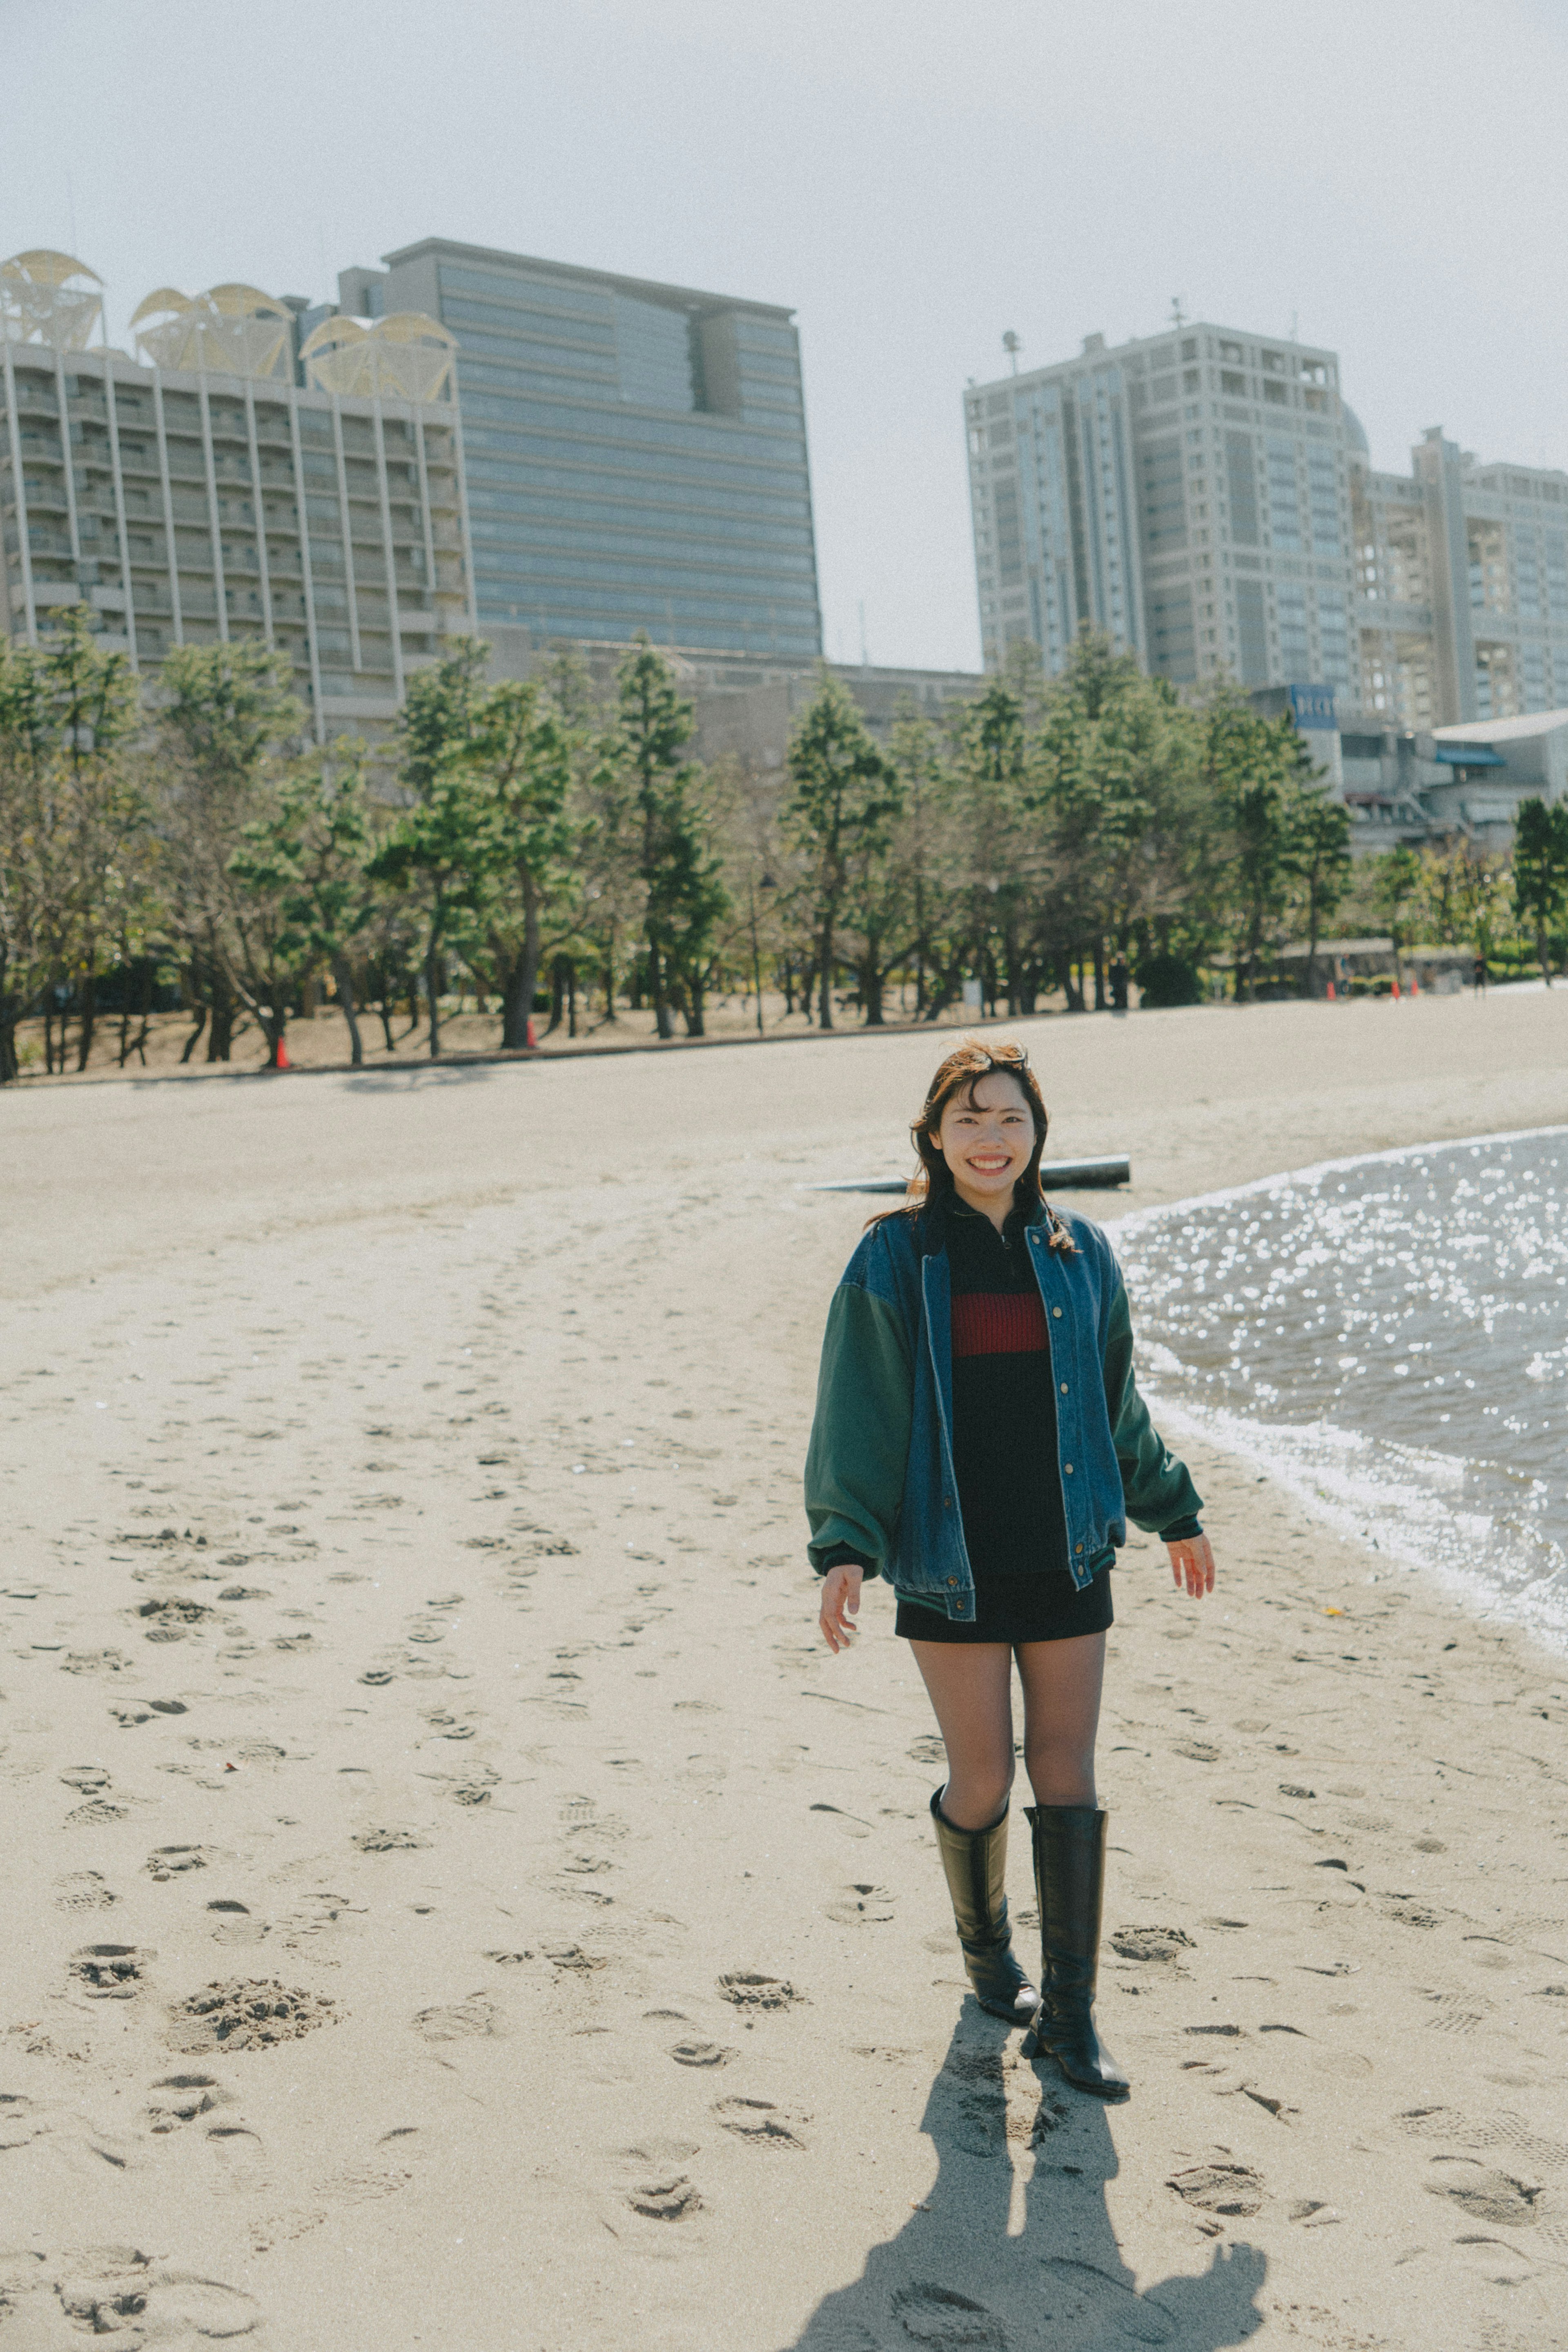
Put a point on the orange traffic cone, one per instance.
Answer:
(1397, 991)
(1331, 992)
(283, 1062)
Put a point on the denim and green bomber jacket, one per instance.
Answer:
(879, 1468)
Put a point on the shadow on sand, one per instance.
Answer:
(955, 2277)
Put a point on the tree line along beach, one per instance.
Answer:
(382, 1963)
(188, 878)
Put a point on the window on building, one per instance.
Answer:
(1241, 483)
(1295, 650)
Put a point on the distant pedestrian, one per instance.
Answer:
(1117, 976)
(1480, 975)
(979, 1440)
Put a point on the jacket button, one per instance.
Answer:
(1056, 1311)
(946, 1502)
(1068, 1467)
(1064, 1388)
(1078, 1547)
(952, 1581)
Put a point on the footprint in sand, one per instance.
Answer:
(746, 1989)
(96, 1813)
(172, 1619)
(861, 1905)
(249, 2013)
(173, 1861)
(83, 1890)
(474, 1788)
(701, 2053)
(1094, 2294)
(657, 2185)
(475, 2018)
(1223, 2189)
(572, 1960)
(1158, 1948)
(117, 2293)
(929, 2314)
(671, 2198)
(184, 2099)
(1482, 2194)
(111, 1971)
(389, 1841)
(759, 2122)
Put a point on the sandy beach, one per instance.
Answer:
(455, 1899)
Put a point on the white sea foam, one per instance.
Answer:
(1389, 1336)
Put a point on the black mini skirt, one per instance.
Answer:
(1044, 1607)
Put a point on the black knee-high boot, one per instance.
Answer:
(1070, 1879)
(975, 1861)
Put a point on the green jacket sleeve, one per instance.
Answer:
(1159, 1488)
(859, 1436)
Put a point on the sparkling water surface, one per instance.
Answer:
(1390, 1335)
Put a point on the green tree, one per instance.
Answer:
(925, 851)
(228, 718)
(654, 725)
(1320, 861)
(846, 796)
(74, 829)
(991, 777)
(687, 897)
(433, 855)
(1249, 767)
(1396, 889)
(520, 758)
(1541, 873)
(1115, 764)
(305, 898)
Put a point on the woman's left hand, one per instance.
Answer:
(1192, 1565)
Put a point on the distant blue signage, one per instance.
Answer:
(1312, 707)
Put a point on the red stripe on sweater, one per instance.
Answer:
(999, 1323)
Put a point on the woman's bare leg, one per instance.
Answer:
(970, 1686)
(1060, 1715)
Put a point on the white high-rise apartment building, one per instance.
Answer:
(1206, 497)
(1188, 493)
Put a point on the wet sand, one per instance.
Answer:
(456, 1900)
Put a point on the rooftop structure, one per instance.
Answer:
(229, 331)
(43, 299)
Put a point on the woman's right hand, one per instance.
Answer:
(840, 1603)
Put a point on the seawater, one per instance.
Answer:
(1389, 1336)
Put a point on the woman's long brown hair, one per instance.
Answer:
(931, 1186)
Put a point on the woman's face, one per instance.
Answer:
(986, 1137)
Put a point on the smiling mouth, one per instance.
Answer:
(990, 1167)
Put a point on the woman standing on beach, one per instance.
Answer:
(980, 1441)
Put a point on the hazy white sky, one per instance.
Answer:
(913, 176)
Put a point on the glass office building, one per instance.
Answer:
(635, 454)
